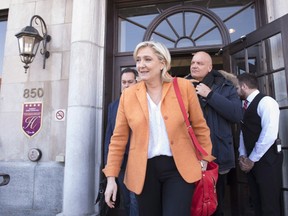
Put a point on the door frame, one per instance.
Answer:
(267, 31)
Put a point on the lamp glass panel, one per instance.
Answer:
(20, 44)
(30, 45)
(27, 59)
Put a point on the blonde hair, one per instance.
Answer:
(162, 53)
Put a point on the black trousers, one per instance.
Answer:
(265, 181)
(165, 192)
(220, 188)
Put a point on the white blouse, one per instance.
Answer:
(158, 137)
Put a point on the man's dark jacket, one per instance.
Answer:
(112, 113)
(221, 109)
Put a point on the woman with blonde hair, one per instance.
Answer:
(162, 165)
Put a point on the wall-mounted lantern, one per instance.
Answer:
(29, 40)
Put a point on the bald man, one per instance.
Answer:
(221, 108)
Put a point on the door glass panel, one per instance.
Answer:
(280, 88)
(144, 20)
(190, 22)
(206, 25)
(263, 85)
(213, 37)
(166, 42)
(130, 36)
(285, 178)
(165, 29)
(285, 197)
(225, 12)
(252, 63)
(257, 61)
(176, 22)
(242, 23)
(238, 62)
(276, 50)
(185, 42)
(283, 128)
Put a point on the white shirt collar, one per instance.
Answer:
(251, 97)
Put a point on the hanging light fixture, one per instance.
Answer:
(29, 40)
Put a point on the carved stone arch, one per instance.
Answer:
(194, 9)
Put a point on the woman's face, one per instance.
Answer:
(148, 65)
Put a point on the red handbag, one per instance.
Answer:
(204, 200)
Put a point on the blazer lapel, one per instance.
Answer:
(165, 88)
(142, 98)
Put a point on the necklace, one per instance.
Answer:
(155, 96)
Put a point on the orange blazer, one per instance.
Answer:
(133, 115)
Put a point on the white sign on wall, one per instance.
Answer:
(60, 115)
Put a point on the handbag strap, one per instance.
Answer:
(187, 122)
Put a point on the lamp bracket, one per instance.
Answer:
(46, 38)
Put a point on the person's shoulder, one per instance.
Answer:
(133, 89)
(184, 84)
(183, 81)
(269, 99)
(114, 103)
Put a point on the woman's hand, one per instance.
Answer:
(204, 164)
(111, 192)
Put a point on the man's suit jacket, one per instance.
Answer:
(112, 112)
(133, 113)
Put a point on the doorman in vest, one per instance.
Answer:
(259, 155)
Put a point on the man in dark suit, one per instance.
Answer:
(128, 78)
(221, 108)
(260, 155)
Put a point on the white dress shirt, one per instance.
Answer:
(268, 110)
(158, 137)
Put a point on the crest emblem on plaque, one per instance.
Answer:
(31, 118)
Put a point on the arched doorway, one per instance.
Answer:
(187, 30)
(184, 27)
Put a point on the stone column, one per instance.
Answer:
(84, 118)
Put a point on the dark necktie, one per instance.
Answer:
(245, 105)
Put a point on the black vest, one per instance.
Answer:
(251, 124)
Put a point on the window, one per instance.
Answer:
(192, 25)
(3, 26)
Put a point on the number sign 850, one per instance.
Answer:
(33, 92)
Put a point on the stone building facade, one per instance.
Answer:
(80, 78)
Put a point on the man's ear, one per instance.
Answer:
(210, 68)
(244, 86)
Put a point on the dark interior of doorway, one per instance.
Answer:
(180, 65)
